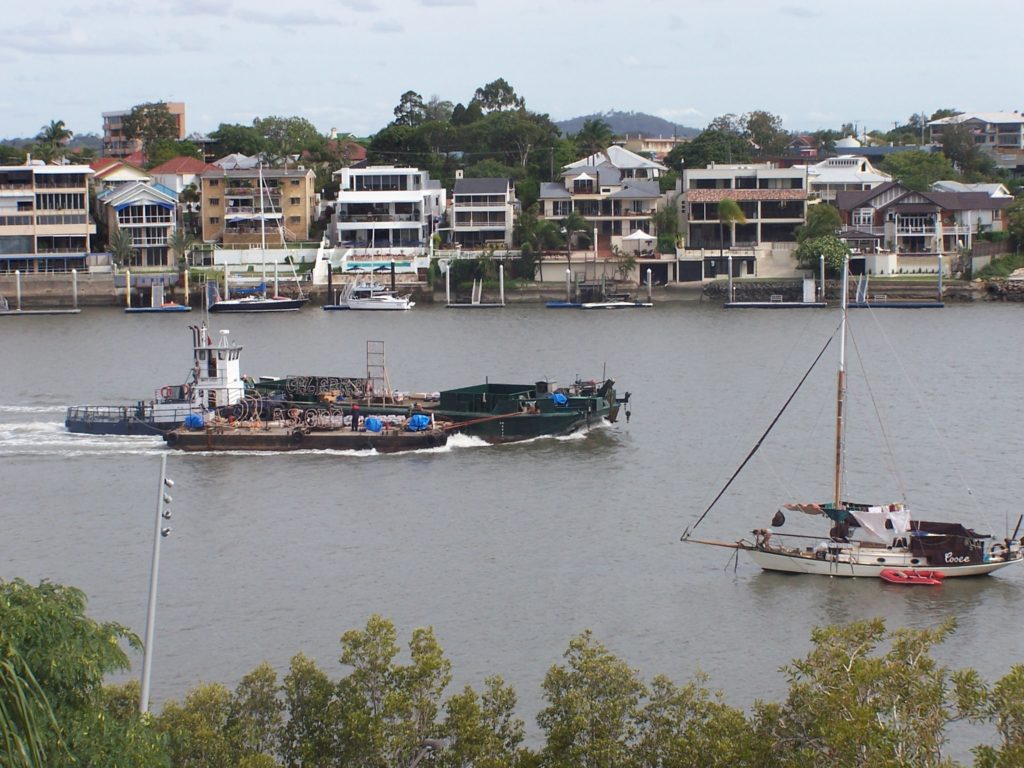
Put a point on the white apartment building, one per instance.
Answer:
(382, 209)
(483, 212)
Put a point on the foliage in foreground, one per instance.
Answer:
(862, 696)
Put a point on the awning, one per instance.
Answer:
(638, 236)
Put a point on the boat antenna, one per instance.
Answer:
(757, 445)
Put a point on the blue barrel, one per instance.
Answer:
(418, 422)
(373, 424)
(560, 399)
(195, 421)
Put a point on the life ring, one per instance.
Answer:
(166, 393)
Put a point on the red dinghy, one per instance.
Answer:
(894, 576)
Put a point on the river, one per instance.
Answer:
(509, 551)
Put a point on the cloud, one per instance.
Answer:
(286, 19)
(676, 23)
(679, 114)
(60, 41)
(800, 12)
(360, 6)
(199, 7)
(387, 27)
(446, 3)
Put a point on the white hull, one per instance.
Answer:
(385, 303)
(854, 565)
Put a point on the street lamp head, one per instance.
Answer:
(168, 482)
(167, 498)
(165, 532)
(166, 514)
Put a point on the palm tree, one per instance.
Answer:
(179, 242)
(729, 212)
(594, 136)
(122, 247)
(56, 133)
(25, 713)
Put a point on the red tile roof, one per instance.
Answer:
(742, 195)
(181, 165)
(103, 163)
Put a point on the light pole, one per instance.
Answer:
(162, 515)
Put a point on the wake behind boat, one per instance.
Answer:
(866, 539)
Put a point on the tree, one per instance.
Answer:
(959, 146)
(389, 709)
(809, 252)
(850, 704)
(594, 136)
(312, 730)
(1004, 706)
(765, 130)
(122, 248)
(482, 730)
(244, 139)
(498, 96)
(438, 110)
(666, 223)
(625, 262)
(196, 730)
(729, 213)
(715, 145)
(10, 155)
(1015, 222)
(167, 149)
(918, 170)
(179, 242)
(46, 636)
(822, 219)
(410, 109)
(55, 134)
(593, 708)
(150, 123)
(287, 137)
(534, 235)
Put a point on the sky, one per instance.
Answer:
(344, 64)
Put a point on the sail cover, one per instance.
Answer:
(883, 524)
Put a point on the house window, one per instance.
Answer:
(295, 182)
(24, 205)
(294, 200)
(294, 219)
(215, 219)
(214, 182)
(214, 201)
(863, 217)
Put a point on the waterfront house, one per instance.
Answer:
(482, 212)
(655, 146)
(179, 172)
(237, 211)
(918, 226)
(44, 217)
(109, 172)
(616, 191)
(773, 200)
(148, 212)
(386, 209)
(991, 130)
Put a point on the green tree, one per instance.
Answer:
(122, 248)
(189, 199)
(481, 730)
(55, 135)
(11, 155)
(593, 708)
(851, 704)
(287, 137)
(729, 214)
(1004, 707)
(150, 123)
(534, 235)
(179, 242)
(666, 222)
(765, 130)
(498, 96)
(959, 146)
(45, 635)
(438, 110)
(822, 219)
(691, 726)
(625, 262)
(810, 251)
(410, 109)
(25, 714)
(715, 145)
(389, 709)
(312, 730)
(594, 136)
(918, 170)
(1015, 222)
(168, 149)
(196, 730)
(244, 139)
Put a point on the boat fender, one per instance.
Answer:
(166, 392)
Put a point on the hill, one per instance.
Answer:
(630, 122)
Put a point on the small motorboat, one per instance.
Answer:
(896, 576)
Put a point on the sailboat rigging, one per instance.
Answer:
(256, 300)
(866, 539)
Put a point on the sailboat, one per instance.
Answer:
(254, 299)
(870, 540)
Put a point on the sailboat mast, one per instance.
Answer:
(263, 232)
(841, 390)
